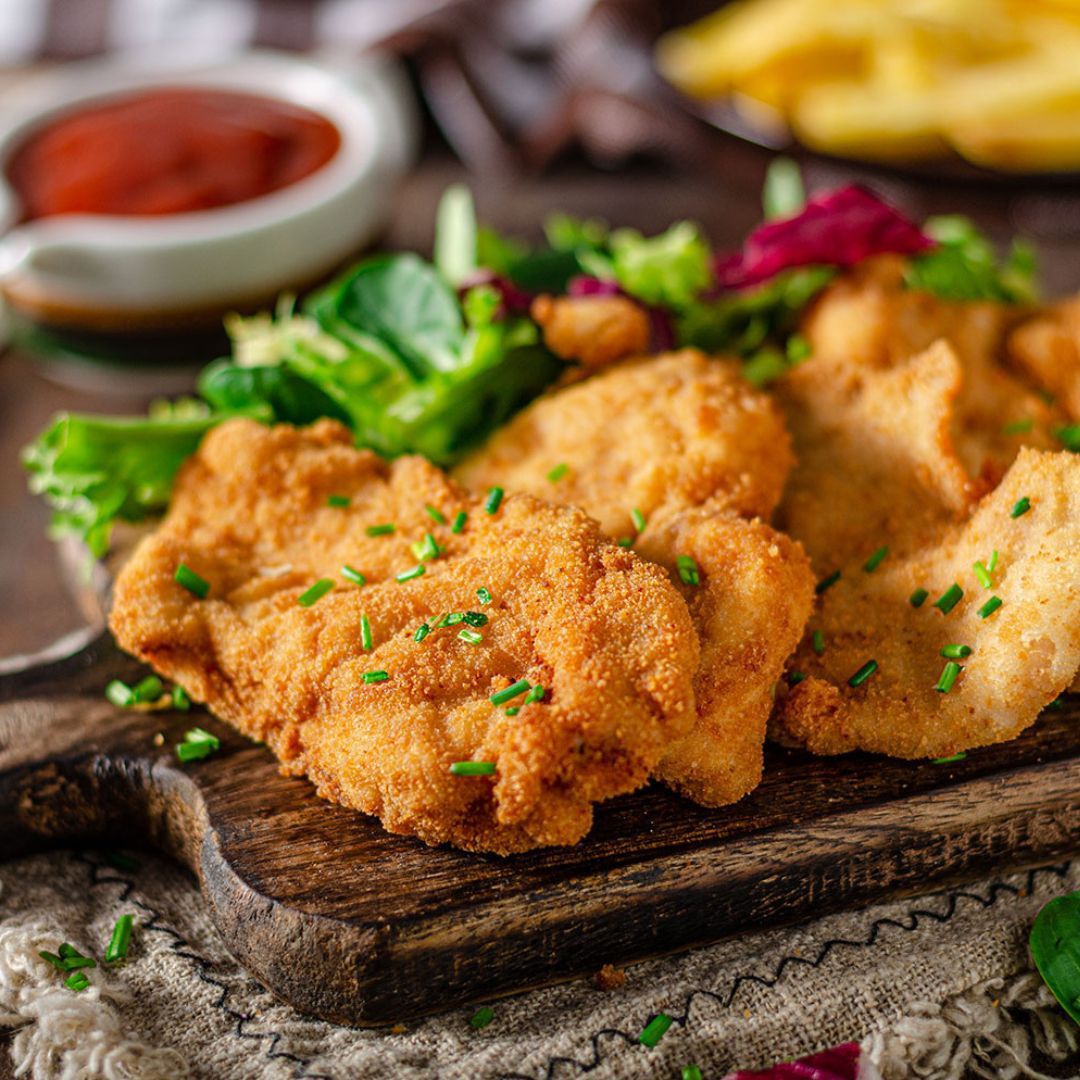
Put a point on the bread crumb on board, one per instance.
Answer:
(609, 978)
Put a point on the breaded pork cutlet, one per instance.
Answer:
(656, 434)
(958, 644)
(440, 600)
(682, 447)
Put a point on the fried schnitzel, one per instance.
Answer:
(520, 590)
(750, 607)
(1016, 642)
(691, 432)
(657, 435)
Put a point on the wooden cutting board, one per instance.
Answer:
(351, 924)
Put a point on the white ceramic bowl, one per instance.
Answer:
(114, 273)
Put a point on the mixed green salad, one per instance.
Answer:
(432, 357)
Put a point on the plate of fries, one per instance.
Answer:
(993, 83)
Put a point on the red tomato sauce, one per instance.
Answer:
(168, 151)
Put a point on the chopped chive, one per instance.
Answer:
(918, 598)
(817, 641)
(690, 1072)
(121, 938)
(474, 618)
(426, 549)
(535, 694)
(121, 861)
(120, 694)
(316, 592)
(654, 1030)
(827, 582)
(381, 530)
(53, 959)
(795, 677)
(949, 674)
(501, 697)
(956, 652)
(876, 559)
(148, 689)
(556, 474)
(191, 581)
(370, 677)
(353, 575)
(949, 598)
(638, 518)
(992, 564)
(68, 951)
(77, 982)
(950, 759)
(365, 632)
(435, 514)
(451, 618)
(863, 673)
(471, 636)
(982, 575)
(990, 607)
(408, 575)
(493, 500)
(422, 632)
(197, 744)
(688, 570)
(74, 963)
(181, 702)
(513, 710)
(1056, 705)
(625, 541)
(1018, 427)
(482, 1017)
(338, 500)
(483, 596)
(1020, 507)
(459, 522)
(473, 768)
(1069, 437)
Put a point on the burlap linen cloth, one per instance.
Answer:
(938, 986)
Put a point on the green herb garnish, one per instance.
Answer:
(470, 636)
(188, 579)
(493, 500)
(949, 598)
(918, 598)
(370, 677)
(501, 697)
(558, 472)
(654, 1030)
(990, 607)
(117, 949)
(473, 768)
(688, 570)
(863, 673)
(482, 1017)
(956, 652)
(387, 529)
(817, 641)
(435, 514)
(483, 595)
(459, 522)
(349, 574)
(365, 632)
(422, 632)
(638, 518)
(982, 575)
(340, 501)
(316, 592)
(949, 674)
(875, 560)
(827, 582)
(409, 575)
(1020, 507)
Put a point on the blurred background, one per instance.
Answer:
(635, 111)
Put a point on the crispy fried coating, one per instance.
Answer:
(689, 431)
(755, 595)
(867, 322)
(660, 435)
(1046, 349)
(594, 331)
(603, 631)
(1024, 654)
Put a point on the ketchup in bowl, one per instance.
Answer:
(168, 151)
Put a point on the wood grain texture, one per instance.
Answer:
(351, 924)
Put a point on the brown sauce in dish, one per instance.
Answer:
(168, 151)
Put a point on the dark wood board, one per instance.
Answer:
(351, 924)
